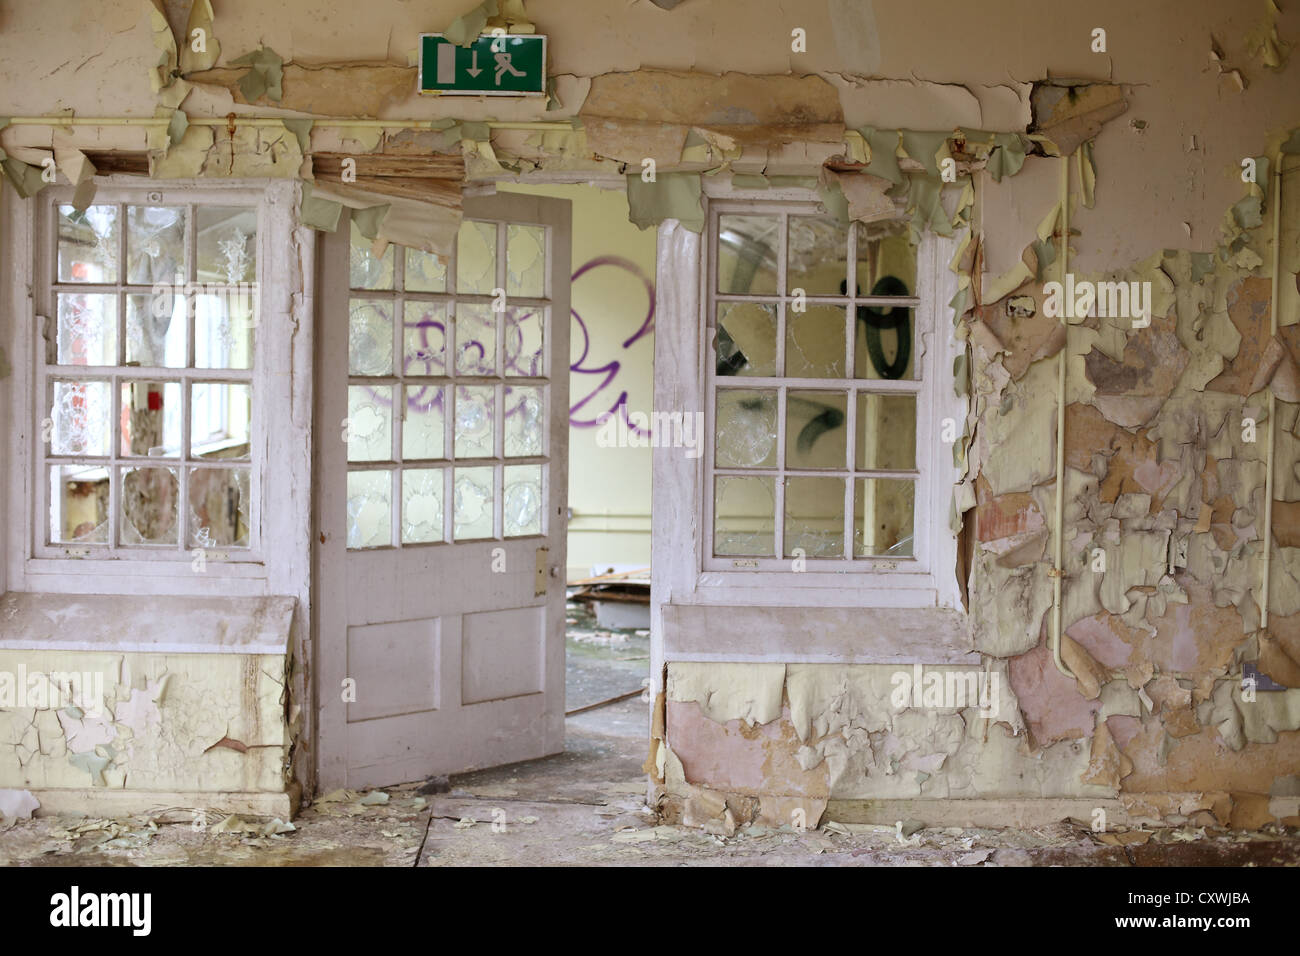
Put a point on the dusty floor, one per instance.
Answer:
(585, 807)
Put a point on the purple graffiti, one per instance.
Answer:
(610, 369)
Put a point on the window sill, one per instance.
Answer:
(161, 625)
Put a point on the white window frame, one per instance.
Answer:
(279, 431)
(682, 500)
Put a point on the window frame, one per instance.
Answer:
(929, 581)
(276, 500)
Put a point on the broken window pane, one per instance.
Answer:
(883, 509)
(423, 432)
(88, 244)
(370, 337)
(475, 421)
(814, 517)
(220, 415)
(155, 331)
(424, 339)
(819, 256)
(472, 511)
(422, 521)
(155, 244)
(745, 341)
(370, 509)
(227, 244)
(425, 272)
(82, 417)
(743, 510)
(364, 270)
(219, 507)
(524, 355)
(748, 247)
(526, 260)
(151, 419)
(746, 428)
(522, 500)
(369, 426)
(476, 339)
(886, 432)
(816, 342)
(149, 505)
(87, 329)
(524, 416)
(476, 257)
(78, 504)
(816, 434)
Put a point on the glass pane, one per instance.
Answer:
(227, 244)
(814, 517)
(882, 346)
(475, 420)
(883, 509)
(82, 414)
(87, 329)
(526, 261)
(149, 505)
(815, 432)
(422, 505)
(746, 429)
(886, 432)
(224, 322)
(155, 244)
(369, 425)
(424, 339)
(816, 342)
(364, 270)
(747, 254)
(219, 500)
(476, 340)
(78, 504)
(522, 500)
(425, 272)
(524, 417)
(370, 337)
(472, 511)
(88, 244)
(155, 330)
(476, 257)
(523, 342)
(886, 261)
(220, 414)
(151, 419)
(424, 429)
(819, 256)
(370, 509)
(743, 515)
(746, 339)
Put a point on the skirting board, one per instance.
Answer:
(166, 806)
(1026, 812)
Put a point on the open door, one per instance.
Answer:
(442, 457)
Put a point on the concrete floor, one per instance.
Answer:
(585, 807)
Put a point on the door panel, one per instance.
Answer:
(443, 493)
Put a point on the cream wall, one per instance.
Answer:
(609, 487)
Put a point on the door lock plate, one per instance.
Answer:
(539, 582)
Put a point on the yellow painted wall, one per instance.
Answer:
(609, 488)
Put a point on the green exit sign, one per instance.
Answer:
(498, 65)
